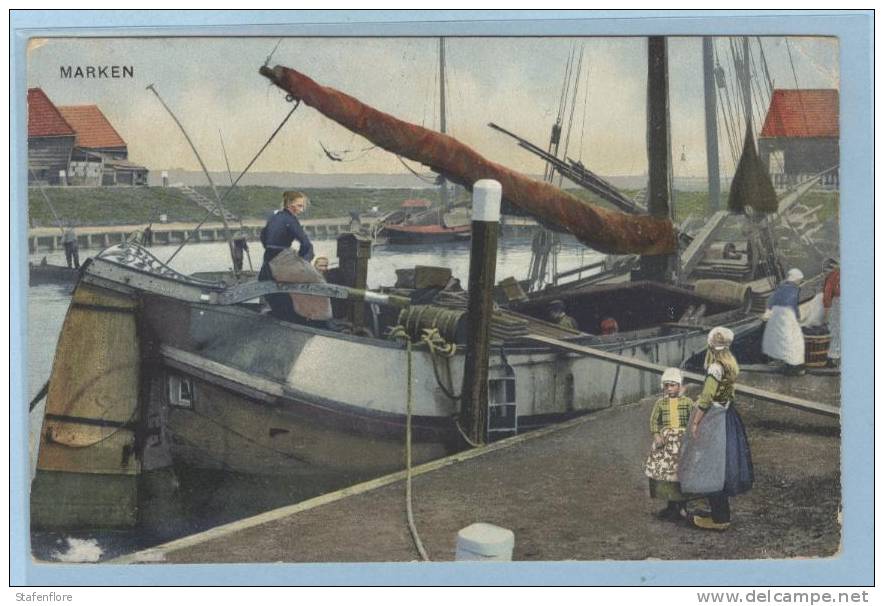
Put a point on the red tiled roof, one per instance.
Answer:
(802, 113)
(44, 119)
(93, 128)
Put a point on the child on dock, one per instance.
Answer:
(669, 420)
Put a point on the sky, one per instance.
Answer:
(213, 86)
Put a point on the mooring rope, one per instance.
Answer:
(399, 332)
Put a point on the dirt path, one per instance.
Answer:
(577, 494)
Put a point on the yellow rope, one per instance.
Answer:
(398, 332)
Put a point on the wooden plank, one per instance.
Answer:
(752, 392)
(694, 252)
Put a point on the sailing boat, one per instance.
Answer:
(432, 225)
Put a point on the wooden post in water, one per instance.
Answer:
(353, 254)
(483, 262)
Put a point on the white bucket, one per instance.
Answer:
(485, 542)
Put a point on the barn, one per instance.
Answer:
(76, 145)
(51, 140)
(800, 136)
(100, 156)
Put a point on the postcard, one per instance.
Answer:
(355, 294)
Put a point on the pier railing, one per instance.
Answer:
(48, 239)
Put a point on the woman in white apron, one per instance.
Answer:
(783, 339)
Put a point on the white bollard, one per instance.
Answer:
(485, 543)
(486, 200)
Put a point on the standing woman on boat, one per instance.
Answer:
(281, 230)
(717, 431)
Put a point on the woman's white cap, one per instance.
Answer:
(794, 275)
(720, 338)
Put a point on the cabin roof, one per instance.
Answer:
(93, 129)
(802, 113)
(44, 118)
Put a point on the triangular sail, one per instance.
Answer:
(751, 185)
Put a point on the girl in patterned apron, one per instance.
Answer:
(669, 419)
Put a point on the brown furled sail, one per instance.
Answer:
(751, 185)
(602, 229)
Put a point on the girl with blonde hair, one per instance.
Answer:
(717, 433)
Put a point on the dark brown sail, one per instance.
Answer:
(751, 185)
(602, 229)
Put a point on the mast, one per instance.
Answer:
(658, 267)
(711, 126)
(443, 184)
(745, 80)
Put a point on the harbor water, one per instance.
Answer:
(216, 498)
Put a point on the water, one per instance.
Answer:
(215, 498)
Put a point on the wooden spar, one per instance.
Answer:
(602, 229)
(752, 392)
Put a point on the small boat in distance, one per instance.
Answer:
(417, 222)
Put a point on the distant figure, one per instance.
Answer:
(558, 316)
(730, 251)
(321, 265)
(783, 339)
(609, 326)
(44, 262)
(147, 237)
(71, 247)
(832, 307)
(240, 247)
(281, 230)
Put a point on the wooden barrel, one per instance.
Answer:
(816, 350)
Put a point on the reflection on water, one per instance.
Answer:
(211, 498)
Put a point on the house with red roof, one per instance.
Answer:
(800, 135)
(98, 156)
(50, 140)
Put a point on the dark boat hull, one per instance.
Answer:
(51, 274)
(422, 234)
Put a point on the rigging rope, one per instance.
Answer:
(573, 107)
(245, 170)
(414, 172)
(58, 223)
(797, 88)
(727, 109)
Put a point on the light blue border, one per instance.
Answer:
(854, 567)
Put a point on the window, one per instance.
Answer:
(180, 391)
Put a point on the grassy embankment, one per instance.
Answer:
(138, 205)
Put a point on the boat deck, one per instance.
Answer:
(574, 491)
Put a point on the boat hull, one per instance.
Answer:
(276, 398)
(422, 234)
